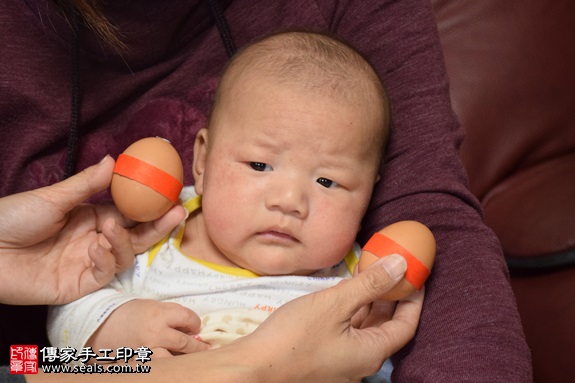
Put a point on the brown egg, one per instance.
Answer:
(147, 179)
(411, 239)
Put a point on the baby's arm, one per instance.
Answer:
(117, 316)
(71, 325)
(165, 327)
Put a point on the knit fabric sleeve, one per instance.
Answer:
(72, 324)
(470, 329)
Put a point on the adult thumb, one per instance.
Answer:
(367, 286)
(79, 187)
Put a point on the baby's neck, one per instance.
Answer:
(196, 242)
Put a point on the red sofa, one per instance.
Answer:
(511, 66)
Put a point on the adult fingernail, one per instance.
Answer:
(104, 159)
(394, 264)
(115, 227)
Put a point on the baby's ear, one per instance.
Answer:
(200, 158)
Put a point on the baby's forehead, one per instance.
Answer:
(307, 59)
(344, 78)
(352, 85)
(359, 93)
(366, 120)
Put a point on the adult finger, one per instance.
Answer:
(104, 265)
(360, 316)
(21, 225)
(69, 193)
(394, 334)
(380, 312)
(146, 234)
(369, 285)
(121, 244)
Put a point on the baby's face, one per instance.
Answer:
(288, 177)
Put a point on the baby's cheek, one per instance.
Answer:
(333, 243)
(214, 212)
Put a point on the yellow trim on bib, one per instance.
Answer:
(230, 270)
(351, 259)
(156, 249)
(192, 205)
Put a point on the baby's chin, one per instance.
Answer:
(269, 271)
(273, 261)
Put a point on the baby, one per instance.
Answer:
(283, 176)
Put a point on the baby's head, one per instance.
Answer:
(292, 152)
(313, 64)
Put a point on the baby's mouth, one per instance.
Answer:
(277, 235)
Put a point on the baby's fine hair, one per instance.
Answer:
(312, 60)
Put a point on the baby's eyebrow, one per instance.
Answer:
(267, 142)
(338, 161)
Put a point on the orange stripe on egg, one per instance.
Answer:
(149, 175)
(381, 245)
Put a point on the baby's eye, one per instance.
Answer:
(260, 167)
(327, 183)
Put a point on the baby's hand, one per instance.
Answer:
(166, 328)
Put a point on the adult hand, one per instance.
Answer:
(312, 338)
(54, 249)
(169, 329)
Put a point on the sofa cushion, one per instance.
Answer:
(533, 213)
(512, 79)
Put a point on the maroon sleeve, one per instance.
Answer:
(470, 328)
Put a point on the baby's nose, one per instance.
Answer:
(289, 197)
